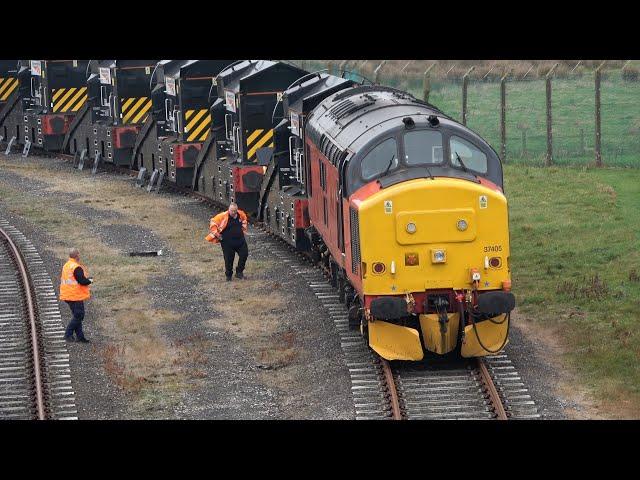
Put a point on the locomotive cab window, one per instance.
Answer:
(383, 158)
(423, 147)
(465, 154)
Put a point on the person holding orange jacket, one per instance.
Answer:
(228, 229)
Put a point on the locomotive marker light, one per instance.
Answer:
(378, 268)
(411, 259)
(462, 225)
(411, 227)
(438, 256)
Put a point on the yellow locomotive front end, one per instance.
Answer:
(435, 268)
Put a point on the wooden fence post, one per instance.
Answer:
(549, 157)
(426, 83)
(598, 145)
(465, 84)
(503, 116)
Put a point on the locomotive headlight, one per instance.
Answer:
(411, 227)
(462, 225)
(438, 256)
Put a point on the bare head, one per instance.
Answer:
(233, 209)
(74, 253)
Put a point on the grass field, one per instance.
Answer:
(575, 258)
(573, 111)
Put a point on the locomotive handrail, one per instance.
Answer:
(152, 74)
(317, 72)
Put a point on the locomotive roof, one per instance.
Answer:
(254, 75)
(352, 117)
(307, 92)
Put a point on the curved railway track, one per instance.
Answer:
(439, 388)
(35, 379)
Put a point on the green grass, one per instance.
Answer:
(575, 259)
(573, 110)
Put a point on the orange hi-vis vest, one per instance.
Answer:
(219, 223)
(70, 289)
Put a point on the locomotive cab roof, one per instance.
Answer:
(307, 92)
(356, 128)
(257, 76)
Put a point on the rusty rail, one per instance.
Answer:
(29, 296)
(494, 396)
(393, 392)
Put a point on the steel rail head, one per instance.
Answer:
(494, 396)
(29, 296)
(393, 392)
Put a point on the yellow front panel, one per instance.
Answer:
(433, 226)
(435, 206)
(486, 338)
(435, 340)
(395, 342)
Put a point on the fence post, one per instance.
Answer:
(376, 72)
(465, 84)
(503, 116)
(549, 157)
(342, 67)
(598, 146)
(524, 143)
(582, 146)
(426, 83)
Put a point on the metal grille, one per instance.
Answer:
(355, 240)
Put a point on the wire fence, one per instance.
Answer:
(539, 113)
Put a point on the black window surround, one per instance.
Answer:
(355, 180)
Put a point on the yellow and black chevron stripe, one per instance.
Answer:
(135, 109)
(7, 86)
(258, 139)
(68, 99)
(197, 123)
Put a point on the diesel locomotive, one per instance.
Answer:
(404, 206)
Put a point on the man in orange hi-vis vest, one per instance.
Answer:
(74, 289)
(228, 229)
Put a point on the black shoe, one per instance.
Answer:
(229, 278)
(239, 275)
(83, 340)
(69, 339)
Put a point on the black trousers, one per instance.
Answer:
(229, 251)
(75, 325)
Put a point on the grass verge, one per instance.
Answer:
(575, 260)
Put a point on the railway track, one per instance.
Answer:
(35, 378)
(439, 388)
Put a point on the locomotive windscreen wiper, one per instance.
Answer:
(464, 167)
(389, 166)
